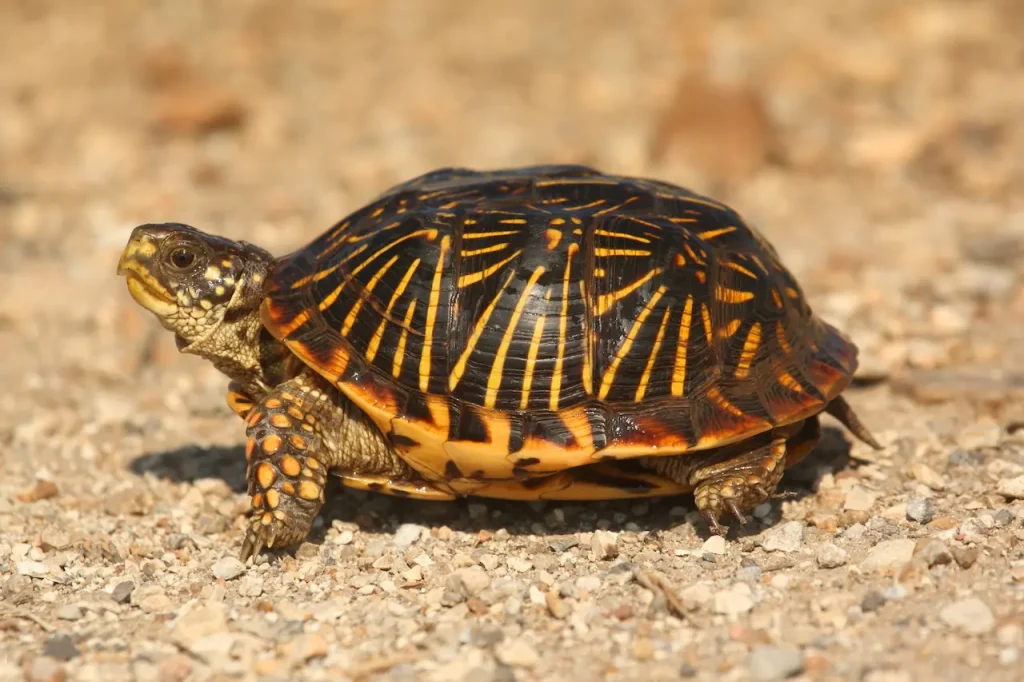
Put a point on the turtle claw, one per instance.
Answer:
(735, 511)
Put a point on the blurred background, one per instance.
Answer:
(879, 145)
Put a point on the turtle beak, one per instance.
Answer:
(139, 265)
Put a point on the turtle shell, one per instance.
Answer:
(509, 324)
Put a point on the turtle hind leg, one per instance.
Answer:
(731, 481)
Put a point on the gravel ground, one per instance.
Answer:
(879, 146)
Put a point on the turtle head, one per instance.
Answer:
(206, 289)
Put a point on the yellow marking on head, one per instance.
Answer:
(609, 253)
(271, 444)
(475, 277)
(205, 305)
(350, 319)
(622, 235)
(732, 265)
(609, 376)
(212, 273)
(588, 378)
(578, 232)
(487, 235)
(396, 362)
(256, 277)
(219, 290)
(780, 334)
(701, 276)
(750, 347)
(485, 249)
(478, 330)
(531, 359)
(680, 260)
(435, 300)
(553, 237)
(727, 295)
(265, 475)
(512, 221)
(576, 220)
(679, 369)
(280, 421)
(250, 446)
(498, 366)
(705, 316)
(257, 501)
(297, 441)
(556, 221)
(605, 301)
(645, 378)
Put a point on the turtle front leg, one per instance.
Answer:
(288, 454)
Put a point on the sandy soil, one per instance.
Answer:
(879, 146)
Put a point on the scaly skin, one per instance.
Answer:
(208, 291)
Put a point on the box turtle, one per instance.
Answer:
(548, 332)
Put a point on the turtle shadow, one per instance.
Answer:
(381, 514)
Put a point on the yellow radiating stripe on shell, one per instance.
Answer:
(371, 350)
(645, 378)
(396, 363)
(481, 275)
(679, 369)
(609, 376)
(478, 330)
(727, 295)
(750, 347)
(563, 319)
(435, 299)
(531, 358)
(622, 235)
(605, 301)
(498, 366)
(350, 319)
(602, 252)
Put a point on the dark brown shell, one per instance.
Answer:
(501, 324)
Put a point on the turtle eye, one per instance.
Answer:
(182, 258)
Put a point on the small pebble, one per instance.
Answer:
(228, 568)
(831, 555)
(45, 669)
(933, 552)
(770, 663)
(737, 599)
(562, 544)
(406, 535)
(859, 499)
(888, 554)
(473, 580)
(971, 616)
(604, 545)
(122, 591)
(872, 601)
(60, 646)
(786, 537)
(69, 612)
(516, 653)
(1011, 488)
(982, 434)
(921, 510)
(713, 545)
